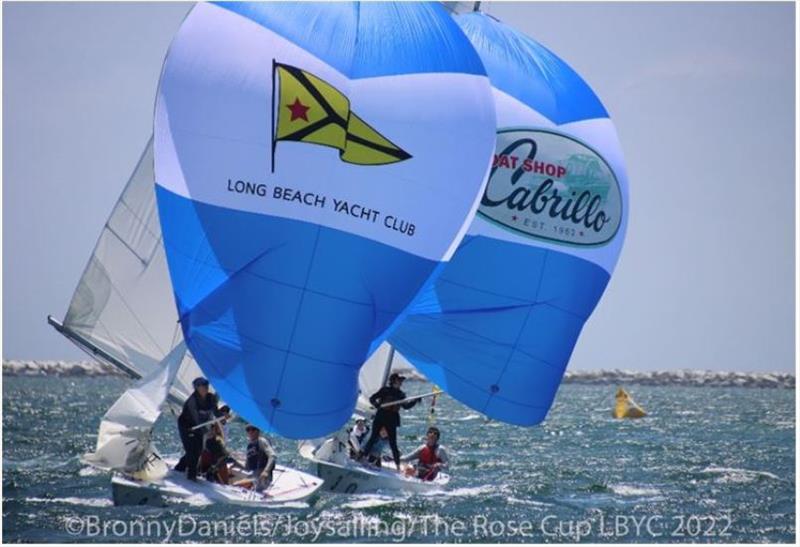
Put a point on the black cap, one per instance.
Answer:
(396, 376)
(200, 381)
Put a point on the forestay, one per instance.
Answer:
(497, 329)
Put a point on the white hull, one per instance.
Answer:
(288, 485)
(344, 475)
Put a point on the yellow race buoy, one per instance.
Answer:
(626, 407)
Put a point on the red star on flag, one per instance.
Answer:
(298, 110)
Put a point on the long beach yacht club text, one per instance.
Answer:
(313, 199)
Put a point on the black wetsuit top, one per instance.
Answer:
(389, 416)
(196, 411)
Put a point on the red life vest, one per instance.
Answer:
(429, 456)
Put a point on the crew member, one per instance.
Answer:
(375, 454)
(358, 434)
(199, 408)
(388, 416)
(215, 455)
(431, 457)
(260, 460)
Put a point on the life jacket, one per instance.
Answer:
(429, 456)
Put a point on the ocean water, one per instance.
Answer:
(707, 465)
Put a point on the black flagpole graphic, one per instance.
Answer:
(272, 162)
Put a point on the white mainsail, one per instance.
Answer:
(373, 376)
(375, 372)
(124, 438)
(123, 311)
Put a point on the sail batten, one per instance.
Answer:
(122, 311)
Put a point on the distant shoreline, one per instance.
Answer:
(701, 378)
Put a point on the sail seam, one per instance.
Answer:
(294, 324)
(519, 334)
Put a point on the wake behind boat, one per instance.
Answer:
(289, 485)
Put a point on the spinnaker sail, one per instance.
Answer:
(497, 328)
(316, 164)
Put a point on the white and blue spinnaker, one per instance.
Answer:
(497, 328)
(316, 165)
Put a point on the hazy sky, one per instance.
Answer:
(702, 95)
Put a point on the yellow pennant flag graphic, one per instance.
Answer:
(311, 110)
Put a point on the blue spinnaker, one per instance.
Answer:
(315, 165)
(497, 328)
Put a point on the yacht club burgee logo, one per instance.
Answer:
(311, 110)
(546, 185)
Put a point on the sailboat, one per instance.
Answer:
(330, 457)
(121, 314)
(284, 186)
(497, 328)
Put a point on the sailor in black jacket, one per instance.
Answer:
(389, 416)
(200, 407)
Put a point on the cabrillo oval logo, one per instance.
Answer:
(550, 186)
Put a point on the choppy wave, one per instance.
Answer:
(684, 377)
(366, 501)
(734, 474)
(736, 457)
(632, 490)
(88, 502)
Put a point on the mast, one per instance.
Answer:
(388, 368)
